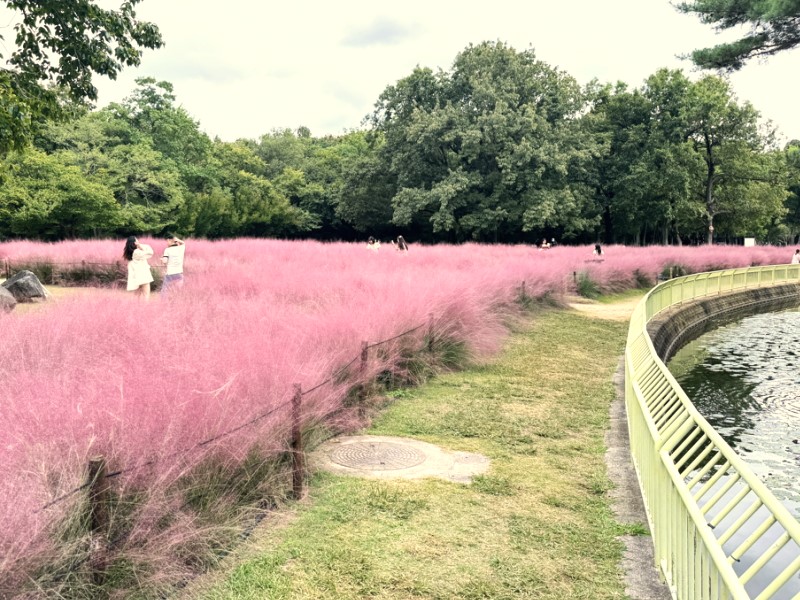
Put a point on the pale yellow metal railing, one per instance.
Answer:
(718, 532)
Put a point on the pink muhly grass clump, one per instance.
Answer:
(147, 384)
(144, 384)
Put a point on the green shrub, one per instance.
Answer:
(642, 280)
(673, 270)
(587, 287)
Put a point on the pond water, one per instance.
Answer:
(744, 378)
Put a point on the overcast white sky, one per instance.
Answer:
(244, 67)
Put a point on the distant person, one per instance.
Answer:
(173, 260)
(544, 245)
(598, 251)
(552, 242)
(373, 244)
(796, 257)
(139, 275)
(400, 245)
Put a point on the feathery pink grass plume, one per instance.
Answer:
(157, 387)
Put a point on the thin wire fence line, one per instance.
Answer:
(343, 368)
(243, 425)
(219, 436)
(391, 339)
(121, 264)
(168, 456)
(60, 263)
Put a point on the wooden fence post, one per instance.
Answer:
(523, 292)
(298, 459)
(99, 489)
(364, 356)
(430, 332)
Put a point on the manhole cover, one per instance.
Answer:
(377, 456)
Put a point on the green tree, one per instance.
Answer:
(310, 197)
(146, 185)
(63, 44)
(774, 27)
(152, 112)
(283, 148)
(753, 193)
(643, 179)
(484, 152)
(684, 159)
(367, 187)
(727, 137)
(257, 207)
(42, 198)
(328, 168)
(109, 150)
(792, 153)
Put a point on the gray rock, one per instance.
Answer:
(26, 287)
(7, 300)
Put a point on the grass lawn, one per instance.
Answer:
(537, 525)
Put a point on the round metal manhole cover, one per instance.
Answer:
(377, 456)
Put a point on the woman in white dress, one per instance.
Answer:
(139, 275)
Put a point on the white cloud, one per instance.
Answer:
(381, 32)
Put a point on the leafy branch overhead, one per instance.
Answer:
(58, 47)
(774, 27)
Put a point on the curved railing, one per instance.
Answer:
(718, 531)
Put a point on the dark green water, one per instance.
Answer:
(744, 378)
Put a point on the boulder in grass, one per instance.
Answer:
(26, 287)
(7, 300)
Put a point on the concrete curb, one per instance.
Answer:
(642, 578)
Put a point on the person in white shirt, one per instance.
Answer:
(373, 244)
(796, 257)
(173, 260)
(139, 275)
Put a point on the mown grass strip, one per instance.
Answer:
(537, 525)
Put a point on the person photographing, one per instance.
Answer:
(173, 260)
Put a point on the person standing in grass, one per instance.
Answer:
(400, 245)
(373, 244)
(173, 260)
(796, 257)
(139, 275)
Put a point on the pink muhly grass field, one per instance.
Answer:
(144, 383)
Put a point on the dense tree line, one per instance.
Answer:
(502, 147)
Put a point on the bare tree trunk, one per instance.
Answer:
(710, 208)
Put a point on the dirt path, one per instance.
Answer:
(57, 293)
(616, 311)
